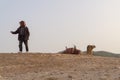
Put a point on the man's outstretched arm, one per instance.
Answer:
(15, 32)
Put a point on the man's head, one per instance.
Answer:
(22, 23)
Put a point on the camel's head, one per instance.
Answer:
(91, 46)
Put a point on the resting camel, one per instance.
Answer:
(90, 49)
(73, 50)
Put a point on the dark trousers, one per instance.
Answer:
(26, 45)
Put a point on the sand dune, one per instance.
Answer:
(58, 67)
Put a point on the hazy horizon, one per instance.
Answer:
(54, 24)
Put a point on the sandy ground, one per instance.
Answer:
(58, 67)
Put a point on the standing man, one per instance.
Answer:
(23, 36)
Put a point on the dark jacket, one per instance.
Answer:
(26, 34)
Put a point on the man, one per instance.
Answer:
(23, 35)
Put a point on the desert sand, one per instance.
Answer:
(58, 67)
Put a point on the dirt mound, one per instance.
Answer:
(58, 67)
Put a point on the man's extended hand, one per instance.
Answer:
(11, 32)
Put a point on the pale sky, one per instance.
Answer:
(54, 24)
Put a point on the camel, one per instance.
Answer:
(90, 49)
(73, 50)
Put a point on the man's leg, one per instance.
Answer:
(26, 45)
(20, 46)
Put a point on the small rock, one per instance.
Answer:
(69, 76)
(1, 78)
(75, 69)
(118, 67)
